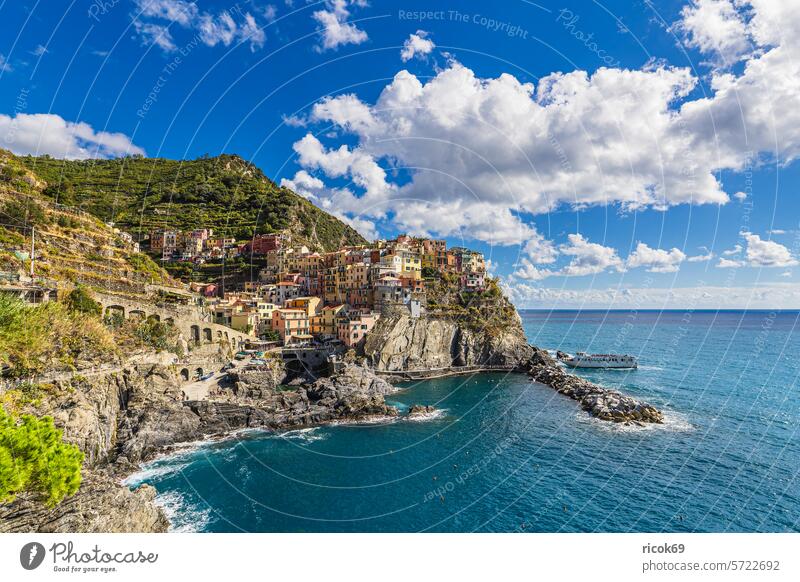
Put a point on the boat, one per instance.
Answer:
(584, 360)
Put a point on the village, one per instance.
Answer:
(303, 298)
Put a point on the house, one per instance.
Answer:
(352, 329)
(290, 322)
(324, 323)
(310, 305)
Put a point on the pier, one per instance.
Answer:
(430, 373)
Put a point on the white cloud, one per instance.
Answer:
(655, 260)
(178, 11)
(635, 138)
(716, 27)
(270, 12)
(304, 184)
(530, 272)
(777, 231)
(155, 17)
(39, 50)
(155, 34)
(334, 28)
(50, 134)
(588, 258)
(786, 274)
(766, 253)
(706, 256)
(729, 264)
(4, 64)
(774, 296)
(734, 251)
(417, 45)
(740, 196)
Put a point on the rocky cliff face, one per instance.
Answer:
(121, 418)
(100, 505)
(400, 342)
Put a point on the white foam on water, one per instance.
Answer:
(673, 422)
(151, 471)
(308, 435)
(183, 516)
(427, 415)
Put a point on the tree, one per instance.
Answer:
(81, 301)
(35, 459)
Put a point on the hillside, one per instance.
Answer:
(71, 246)
(225, 193)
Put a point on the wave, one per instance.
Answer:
(183, 516)
(152, 471)
(673, 422)
(308, 435)
(427, 415)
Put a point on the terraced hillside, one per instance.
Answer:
(225, 193)
(71, 246)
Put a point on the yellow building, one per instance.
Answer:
(325, 322)
(310, 305)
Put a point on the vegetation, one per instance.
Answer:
(80, 300)
(225, 193)
(35, 459)
(48, 336)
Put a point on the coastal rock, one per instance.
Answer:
(600, 402)
(401, 342)
(419, 410)
(100, 505)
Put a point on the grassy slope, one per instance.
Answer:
(224, 193)
(70, 247)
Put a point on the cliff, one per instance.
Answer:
(400, 342)
(121, 418)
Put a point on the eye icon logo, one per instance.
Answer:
(31, 555)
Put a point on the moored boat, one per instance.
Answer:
(584, 360)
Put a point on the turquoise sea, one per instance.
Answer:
(506, 454)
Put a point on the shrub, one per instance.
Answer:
(35, 459)
(81, 301)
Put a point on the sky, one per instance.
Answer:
(601, 154)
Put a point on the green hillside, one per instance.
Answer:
(225, 193)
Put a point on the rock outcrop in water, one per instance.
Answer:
(600, 402)
(401, 342)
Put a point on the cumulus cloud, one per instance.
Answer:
(588, 258)
(155, 18)
(334, 28)
(50, 134)
(706, 255)
(740, 196)
(716, 27)
(417, 45)
(633, 138)
(655, 260)
(766, 253)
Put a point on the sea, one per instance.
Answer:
(504, 454)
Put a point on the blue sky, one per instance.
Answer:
(593, 151)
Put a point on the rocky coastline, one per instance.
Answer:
(126, 417)
(604, 404)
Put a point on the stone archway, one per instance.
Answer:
(195, 334)
(185, 374)
(208, 335)
(199, 372)
(114, 311)
(137, 314)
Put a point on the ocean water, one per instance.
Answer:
(505, 454)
